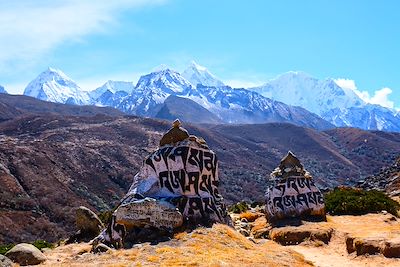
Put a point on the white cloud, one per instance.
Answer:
(30, 29)
(379, 97)
(346, 83)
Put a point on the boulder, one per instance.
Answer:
(368, 246)
(176, 187)
(293, 193)
(88, 224)
(87, 221)
(294, 235)
(5, 262)
(391, 249)
(26, 254)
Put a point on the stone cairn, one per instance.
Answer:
(176, 188)
(293, 194)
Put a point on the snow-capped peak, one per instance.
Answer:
(113, 87)
(197, 74)
(301, 89)
(54, 86)
(166, 80)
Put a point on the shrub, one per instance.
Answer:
(40, 244)
(105, 216)
(5, 248)
(239, 207)
(356, 201)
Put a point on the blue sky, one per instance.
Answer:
(245, 43)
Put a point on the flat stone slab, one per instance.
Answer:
(149, 212)
(389, 248)
(294, 235)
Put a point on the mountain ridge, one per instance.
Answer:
(306, 100)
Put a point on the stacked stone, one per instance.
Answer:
(176, 187)
(293, 193)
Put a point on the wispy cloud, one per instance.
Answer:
(379, 97)
(30, 29)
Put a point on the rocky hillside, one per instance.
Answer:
(12, 106)
(51, 164)
(388, 180)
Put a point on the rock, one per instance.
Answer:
(101, 248)
(261, 233)
(87, 221)
(26, 254)
(391, 249)
(261, 228)
(350, 244)
(244, 232)
(176, 187)
(294, 235)
(149, 211)
(367, 246)
(88, 225)
(294, 194)
(5, 262)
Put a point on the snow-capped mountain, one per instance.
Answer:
(113, 87)
(300, 89)
(197, 74)
(152, 90)
(2, 90)
(293, 97)
(228, 104)
(54, 86)
(339, 106)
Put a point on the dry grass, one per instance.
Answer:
(216, 246)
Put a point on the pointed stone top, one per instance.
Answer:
(290, 166)
(176, 124)
(290, 161)
(175, 134)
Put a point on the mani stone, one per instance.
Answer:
(177, 186)
(25, 254)
(293, 194)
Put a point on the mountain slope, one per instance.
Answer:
(243, 106)
(54, 86)
(186, 110)
(12, 106)
(197, 74)
(54, 163)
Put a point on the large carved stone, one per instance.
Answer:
(294, 194)
(177, 186)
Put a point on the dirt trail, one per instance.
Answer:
(335, 253)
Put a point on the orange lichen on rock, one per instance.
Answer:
(250, 216)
